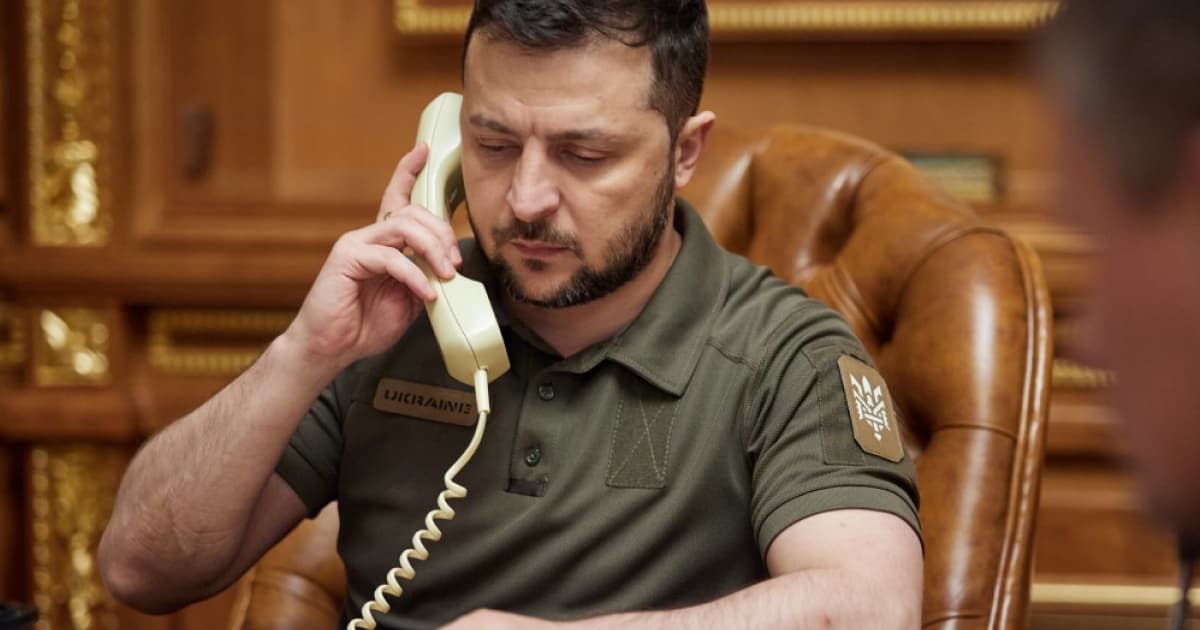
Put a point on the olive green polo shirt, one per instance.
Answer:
(648, 471)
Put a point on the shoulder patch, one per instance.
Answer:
(871, 411)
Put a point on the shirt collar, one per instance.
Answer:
(663, 343)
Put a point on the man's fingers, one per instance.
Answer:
(384, 260)
(439, 228)
(399, 188)
(429, 237)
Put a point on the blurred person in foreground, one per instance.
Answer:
(1123, 78)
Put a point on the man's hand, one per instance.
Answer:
(368, 292)
(484, 619)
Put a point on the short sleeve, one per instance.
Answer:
(800, 439)
(312, 457)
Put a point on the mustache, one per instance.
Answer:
(540, 231)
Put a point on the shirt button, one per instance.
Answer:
(546, 391)
(533, 456)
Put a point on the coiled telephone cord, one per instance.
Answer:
(444, 512)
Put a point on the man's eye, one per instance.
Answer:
(584, 158)
(488, 147)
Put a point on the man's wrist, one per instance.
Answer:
(644, 620)
(287, 355)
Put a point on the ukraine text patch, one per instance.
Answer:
(427, 402)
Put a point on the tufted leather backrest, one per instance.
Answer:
(955, 313)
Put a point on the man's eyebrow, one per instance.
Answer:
(571, 135)
(584, 135)
(479, 120)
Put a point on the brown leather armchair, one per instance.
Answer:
(955, 313)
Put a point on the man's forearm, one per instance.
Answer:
(188, 494)
(805, 599)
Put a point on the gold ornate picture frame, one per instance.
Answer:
(803, 19)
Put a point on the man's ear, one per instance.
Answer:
(689, 145)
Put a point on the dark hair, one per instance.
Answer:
(1130, 70)
(675, 30)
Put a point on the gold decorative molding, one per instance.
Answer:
(1108, 596)
(71, 494)
(867, 18)
(12, 338)
(68, 58)
(804, 18)
(413, 17)
(1067, 374)
(214, 343)
(71, 347)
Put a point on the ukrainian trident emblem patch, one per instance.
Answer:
(871, 411)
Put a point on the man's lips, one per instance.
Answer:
(537, 249)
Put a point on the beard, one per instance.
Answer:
(629, 251)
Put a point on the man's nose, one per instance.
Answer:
(532, 194)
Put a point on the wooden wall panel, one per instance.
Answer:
(935, 96)
(8, 118)
(315, 134)
(336, 123)
(1117, 540)
(14, 559)
(345, 120)
(231, 79)
(12, 523)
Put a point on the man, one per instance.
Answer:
(674, 432)
(1124, 77)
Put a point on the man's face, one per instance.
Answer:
(568, 170)
(1142, 319)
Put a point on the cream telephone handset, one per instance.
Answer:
(463, 322)
(461, 316)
